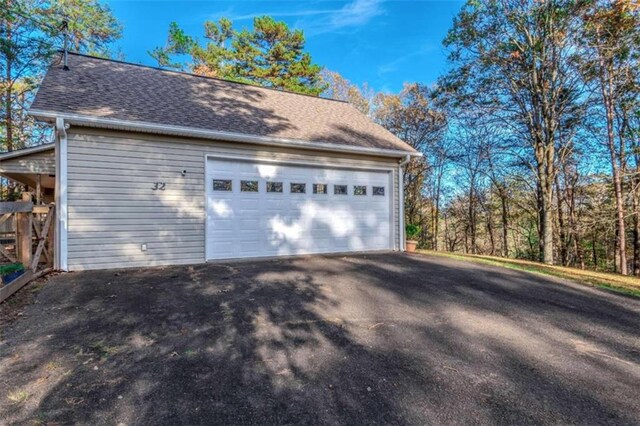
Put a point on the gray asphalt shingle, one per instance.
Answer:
(110, 89)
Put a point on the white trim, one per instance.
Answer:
(299, 162)
(206, 208)
(392, 196)
(27, 151)
(62, 226)
(295, 256)
(259, 159)
(217, 135)
(403, 237)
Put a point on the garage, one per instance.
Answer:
(257, 209)
(155, 168)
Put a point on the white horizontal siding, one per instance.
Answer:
(112, 208)
(38, 163)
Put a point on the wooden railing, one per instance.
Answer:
(33, 241)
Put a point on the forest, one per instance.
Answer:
(530, 139)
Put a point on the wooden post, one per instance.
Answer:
(51, 238)
(39, 189)
(23, 234)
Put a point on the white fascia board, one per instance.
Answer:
(83, 120)
(27, 151)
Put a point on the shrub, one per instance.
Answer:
(412, 231)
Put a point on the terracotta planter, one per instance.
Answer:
(411, 246)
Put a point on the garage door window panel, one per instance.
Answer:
(378, 190)
(319, 188)
(274, 187)
(224, 185)
(298, 188)
(340, 189)
(359, 190)
(249, 185)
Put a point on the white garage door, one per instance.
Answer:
(261, 209)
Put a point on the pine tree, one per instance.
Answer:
(30, 34)
(269, 55)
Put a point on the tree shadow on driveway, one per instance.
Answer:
(387, 338)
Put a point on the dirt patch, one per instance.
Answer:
(13, 308)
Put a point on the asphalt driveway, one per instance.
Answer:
(380, 339)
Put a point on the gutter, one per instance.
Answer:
(60, 253)
(61, 127)
(83, 120)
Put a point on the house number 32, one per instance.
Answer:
(159, 186)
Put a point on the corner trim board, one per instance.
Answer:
(403, 237)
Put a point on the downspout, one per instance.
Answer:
(61, 195)
(402, 163)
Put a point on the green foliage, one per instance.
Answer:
(92, 26)
(412, 230)
(30, 35)
(270, 55)
(12, 267)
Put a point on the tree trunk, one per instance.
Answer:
(573, 227)
(545, 176)
(636, 230)
(436, 218)
(562, 235)
(505, 222)
(606, 88)
(466, 239)
(539, 224)
(531, 245)
(8, 93)
(545, 216)
(621, 242)
(594, 251)
(491, 237)
(8, 121)
(472, 220)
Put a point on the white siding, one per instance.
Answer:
(113, 209)
(37, 163)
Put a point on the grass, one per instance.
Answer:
(616, 282)
(103, 350)
(191, 352)
(18, 397)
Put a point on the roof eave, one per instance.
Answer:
(26, 151)
(109, 123)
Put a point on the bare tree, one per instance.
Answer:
(612, 30)
(515, 59)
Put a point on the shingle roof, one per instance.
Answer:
(110, 89)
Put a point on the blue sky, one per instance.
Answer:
(383, 43)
